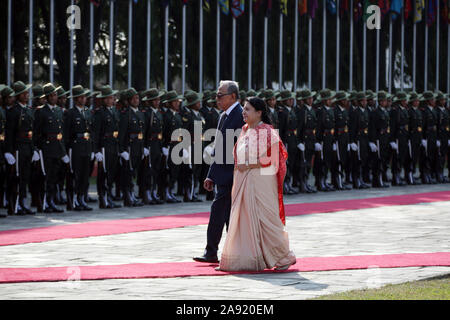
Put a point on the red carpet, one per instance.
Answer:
(190, 269)
(110, 227)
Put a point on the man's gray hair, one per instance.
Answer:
(231, 86)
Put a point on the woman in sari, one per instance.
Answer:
(256, 238)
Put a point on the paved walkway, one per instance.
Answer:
(417, 228)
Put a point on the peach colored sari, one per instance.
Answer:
(256, 237)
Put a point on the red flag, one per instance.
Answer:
(343, 7)
(357, 10)
(384, 6)
(303, 7)
(408, 8)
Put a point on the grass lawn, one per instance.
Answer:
(437, 288)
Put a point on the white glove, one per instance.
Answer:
(35, 156)
(146, 152)
(301, 146)
(334, 147)
(394, 145)
(354, 146)
(92, 156)
(424, 143)
(348, 147)
(165, 152)
(10, 158)
(373, 147)
(438, 143)
(185, 154)
(99, 156)
(449, 142)
(65, 159)
(125, 155)
(318, 146)
(209, 150)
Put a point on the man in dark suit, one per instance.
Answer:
(220, 175)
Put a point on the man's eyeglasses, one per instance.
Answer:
(220, 95)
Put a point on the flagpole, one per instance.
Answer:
(91, 47)
(390, 53)
(294, 87)
(111, 42)
(425, 73)
(147, 71)
(324, 45)
(233, 48)
(52, 32)
(364, 55)
(350, 86)
(402, 61)
(280, 53)
(30, 45)
(309, 52)
(414, 54)
(377, 72)
(166, 47)
(71, 59)
(183, 50)
(337, 44)
(8, 76)
(448, 60)
(437, 46)
(266, 22)
(218, 46)
(250, 43)
(130, 41)
(200, 54)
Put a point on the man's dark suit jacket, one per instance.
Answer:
(222, 173)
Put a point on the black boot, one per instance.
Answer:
(25, 209)
(174, 198)
(103, 202)
(136, 202)
(147, 197)
(156, 198)
(84, 204)
(127, 200)
(51, 204)
(69, 202)
(77, 206)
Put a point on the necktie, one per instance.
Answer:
(222, 120)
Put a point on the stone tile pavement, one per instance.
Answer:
(396, 229)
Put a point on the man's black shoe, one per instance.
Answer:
(206, 259)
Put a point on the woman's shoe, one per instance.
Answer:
(286, 266)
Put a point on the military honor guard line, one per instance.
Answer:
(340, 140)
